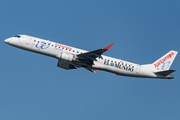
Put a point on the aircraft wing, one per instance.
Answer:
(94, 54)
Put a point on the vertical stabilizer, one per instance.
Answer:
(164, 63)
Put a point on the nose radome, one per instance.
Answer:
(7, 40)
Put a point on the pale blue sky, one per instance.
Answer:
(32, 87)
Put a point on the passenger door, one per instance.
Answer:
(28, 40)
(138, 68)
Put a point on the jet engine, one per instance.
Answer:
(67, 57)
(65, 65)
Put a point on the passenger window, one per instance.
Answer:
(73, 50)
(34, 40)
(52, 45)
(77, 51)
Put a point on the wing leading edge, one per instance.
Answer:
(94, 54)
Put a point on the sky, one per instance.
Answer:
(33, 87)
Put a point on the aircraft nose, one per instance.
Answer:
(7, 40)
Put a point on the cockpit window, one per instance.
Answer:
(17, 36)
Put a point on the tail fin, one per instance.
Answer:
(164, 63)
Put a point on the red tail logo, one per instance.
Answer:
(163, 59)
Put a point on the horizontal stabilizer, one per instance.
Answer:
(165, 72)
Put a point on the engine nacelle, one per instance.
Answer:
(67, 57)
(65, 65)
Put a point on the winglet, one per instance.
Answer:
(107, 48)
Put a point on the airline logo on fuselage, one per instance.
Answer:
(163, 60)
(43, 45)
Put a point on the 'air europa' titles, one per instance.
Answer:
(63, 46)
(163, 59)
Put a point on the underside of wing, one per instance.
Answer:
(86, 60)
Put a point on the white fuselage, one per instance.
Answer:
(105, 63)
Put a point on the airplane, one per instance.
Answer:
(73, 58)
